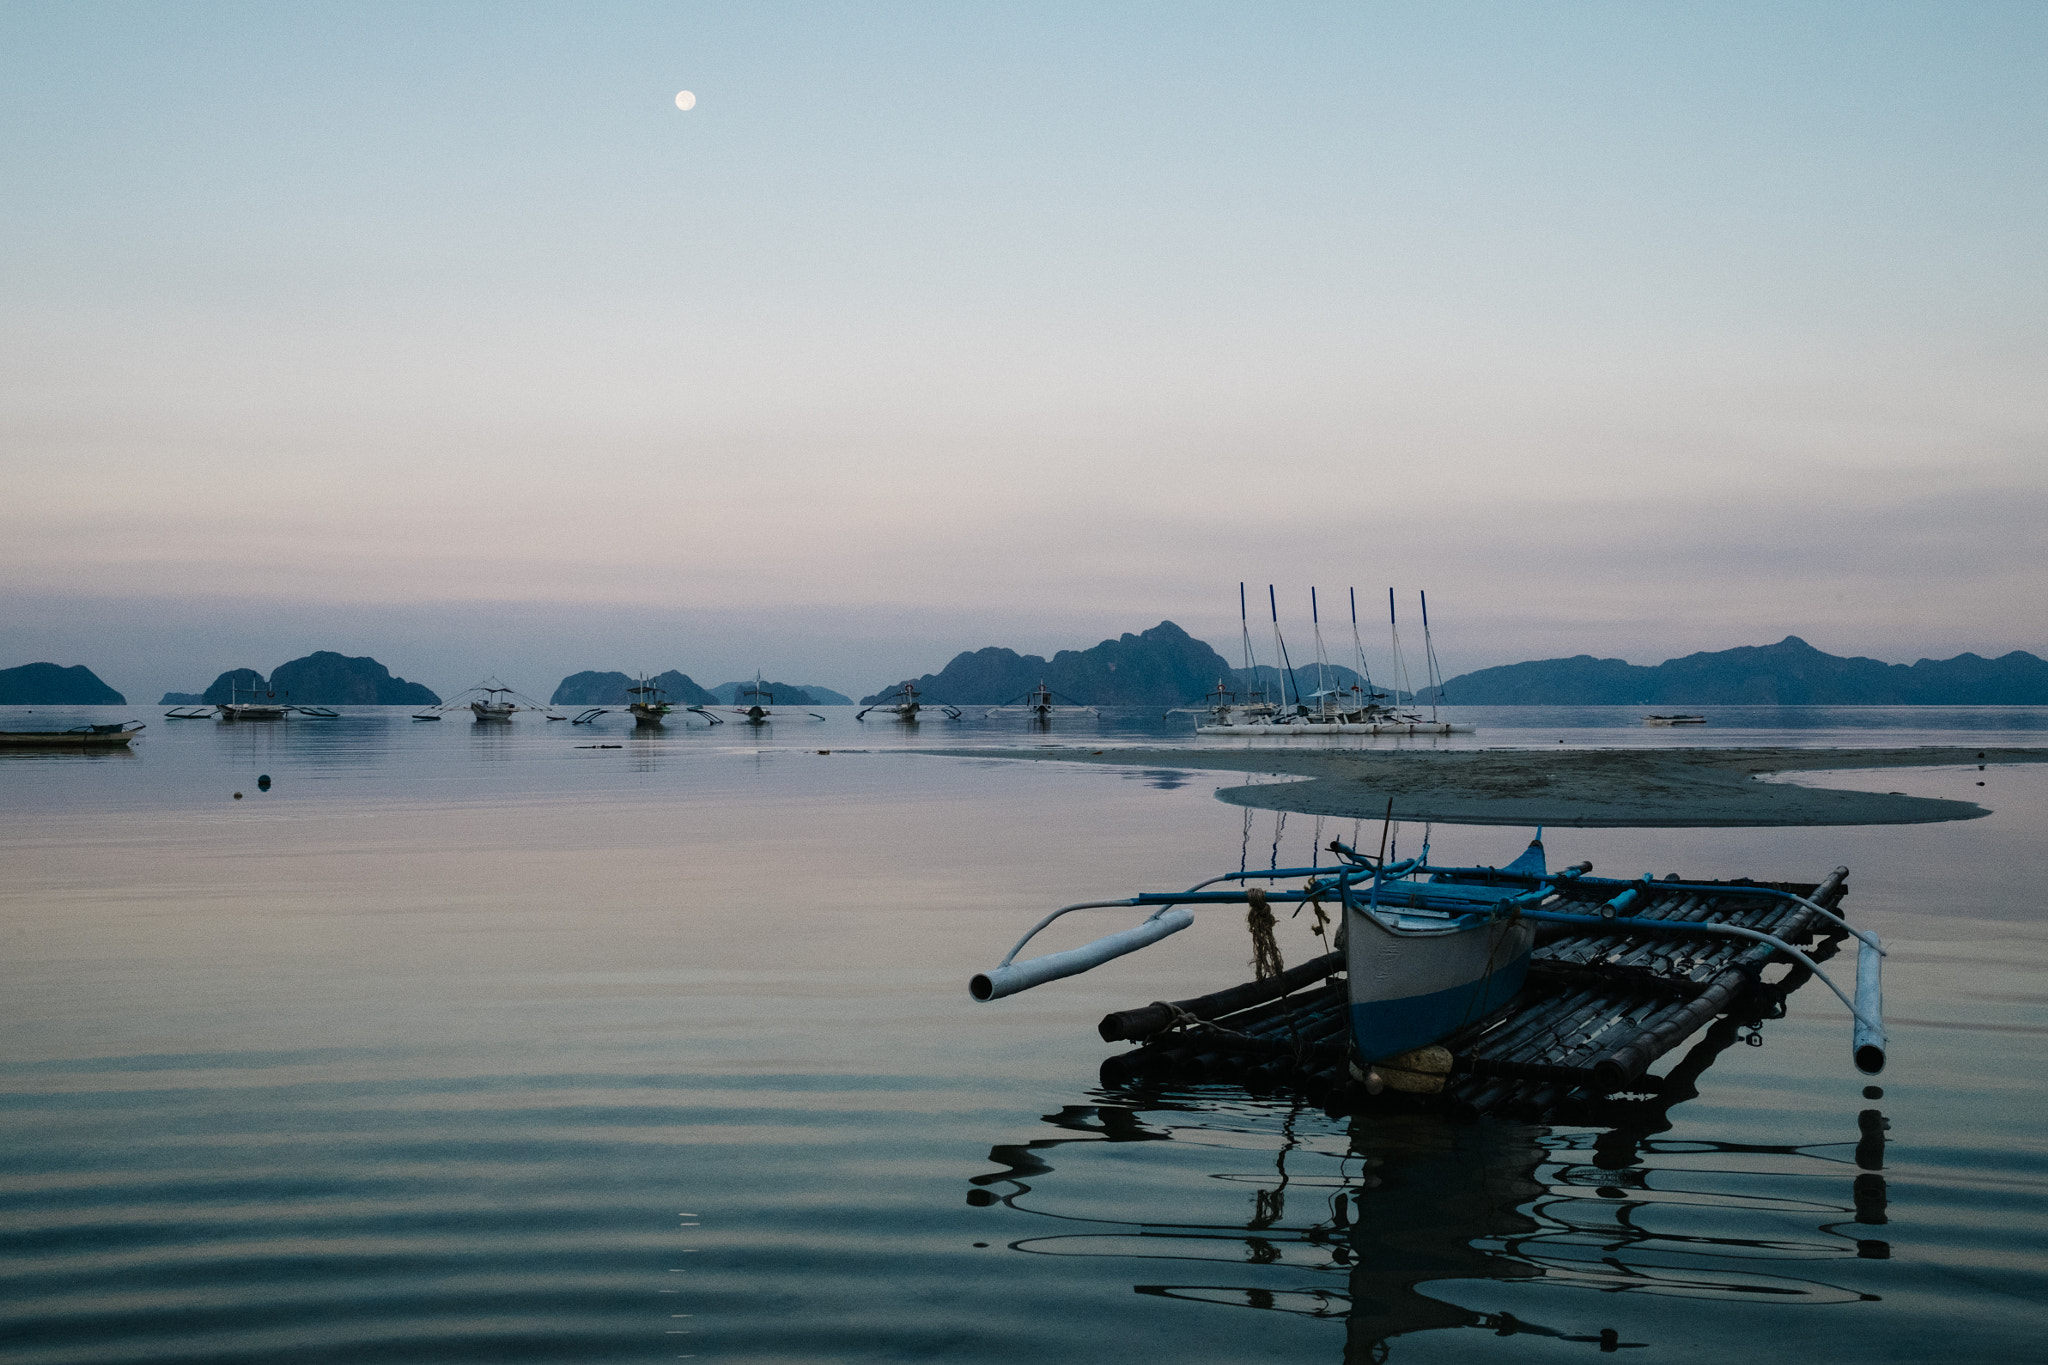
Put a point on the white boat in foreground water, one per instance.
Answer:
(1430, 952)
(1424, 957)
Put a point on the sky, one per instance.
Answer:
(439, 333)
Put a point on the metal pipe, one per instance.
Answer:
(1870, 1039)
(1718, 930)
(1022, 976)
(1769, 892)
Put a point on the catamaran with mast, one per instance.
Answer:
(1223, 706)
(1353, 710)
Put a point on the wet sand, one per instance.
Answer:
(1586, 787)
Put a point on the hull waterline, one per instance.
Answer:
(1409, 990)
(58, 739)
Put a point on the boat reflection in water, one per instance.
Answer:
(1357, 1226)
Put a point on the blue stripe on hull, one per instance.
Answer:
(1385, 1028)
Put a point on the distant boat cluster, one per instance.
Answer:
(1333, 708)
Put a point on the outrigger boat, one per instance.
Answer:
(649, 705)
(490, 701)
(270, 708)
(115, 736)
(755, 706)
(234, 708)
(1039, 705)
(1430, 950)
(495, 704)
(903, 705)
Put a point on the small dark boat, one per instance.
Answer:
(1674, 720)
(77, 737)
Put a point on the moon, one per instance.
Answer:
(685, 100)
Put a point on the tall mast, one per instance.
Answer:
(1401, 682)
(1358, 647)
(1251, 664)
(1322, 660)
(1436, 676)
(1281, 645)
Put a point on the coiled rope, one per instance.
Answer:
(1265, 961)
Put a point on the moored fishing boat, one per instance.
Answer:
(1040, 705)
(495, 706)
(490, 701)
(755, 705)
(116, 736)
(1429, 952)
(262, 705)
(903, 704)
(649, 705)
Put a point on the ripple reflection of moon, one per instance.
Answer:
(685, 100)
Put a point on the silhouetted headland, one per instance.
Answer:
(52, 685)
(592, 688)
(323, 678)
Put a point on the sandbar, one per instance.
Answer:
(1583, 787)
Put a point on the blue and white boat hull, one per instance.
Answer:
(1414, 987)
(1428, 957)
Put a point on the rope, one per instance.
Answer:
(1265, 961)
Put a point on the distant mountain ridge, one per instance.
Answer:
(1789, 673)
(592, 688)
(53, 685)
(322, 678)
(1163, 666)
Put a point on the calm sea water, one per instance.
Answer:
(465, 1043)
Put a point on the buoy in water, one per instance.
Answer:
(263, 783)
(238, 796)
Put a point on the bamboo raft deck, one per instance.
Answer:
(1575, 1045)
